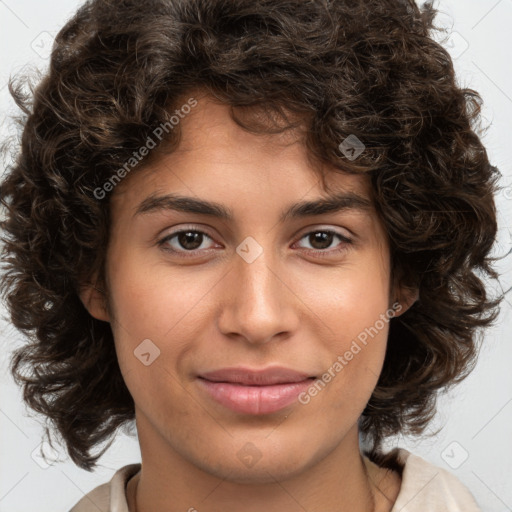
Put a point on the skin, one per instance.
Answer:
(299, 305)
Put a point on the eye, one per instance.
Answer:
(322, 239)
(187, 242)
(184, 241)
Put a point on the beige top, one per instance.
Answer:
(425, 488)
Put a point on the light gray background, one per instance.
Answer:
(476, 416)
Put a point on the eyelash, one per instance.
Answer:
(192, 254)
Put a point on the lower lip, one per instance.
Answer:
(254, 399)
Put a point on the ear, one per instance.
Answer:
(404, 298)
(94, 300)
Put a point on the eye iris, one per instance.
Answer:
(185, 237)
(324, 238)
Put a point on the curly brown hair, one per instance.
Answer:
(369, 68)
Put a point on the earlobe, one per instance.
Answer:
(94, 301)
(405, 298)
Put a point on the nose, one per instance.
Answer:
(258, 302)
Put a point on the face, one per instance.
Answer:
(306, 297)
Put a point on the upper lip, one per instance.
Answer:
(262, 377)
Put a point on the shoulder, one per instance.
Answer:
(110, 496)
(429, 487)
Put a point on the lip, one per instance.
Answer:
(249, 377)
(250, 391)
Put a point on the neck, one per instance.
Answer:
(341, 481)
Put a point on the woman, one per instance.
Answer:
(259, 229)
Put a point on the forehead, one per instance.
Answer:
(219, 159)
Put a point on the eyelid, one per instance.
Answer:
(328, 228)
(185, 227)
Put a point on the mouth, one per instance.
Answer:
(255, 392)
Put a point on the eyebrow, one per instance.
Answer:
(331, 204)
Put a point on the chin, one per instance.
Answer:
(264, 472)
(272, 460)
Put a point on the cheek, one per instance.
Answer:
(152, 331)
(157, 303)
(351, 299)
(152, 299)
(355, 309)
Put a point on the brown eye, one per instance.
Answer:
(190, 240)
(322, 240)
(185, 241)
